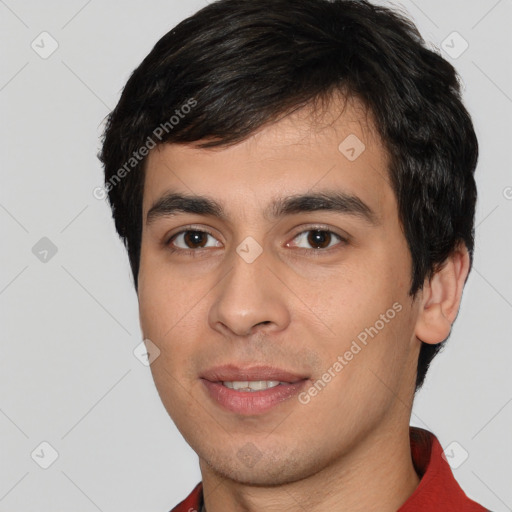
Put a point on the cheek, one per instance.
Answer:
(369, 320)
(354, 299)
(162, 296)
(170, 314)
(152, 305)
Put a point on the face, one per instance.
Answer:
(292, 274)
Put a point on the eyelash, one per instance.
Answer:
(314, 252)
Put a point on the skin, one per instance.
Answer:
(348, 447)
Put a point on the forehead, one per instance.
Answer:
(337, 147)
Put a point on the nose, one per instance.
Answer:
(248, 298)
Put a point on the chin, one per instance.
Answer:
(250, 466)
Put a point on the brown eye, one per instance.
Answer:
(195, 238)
(317, 239)
(192, 239)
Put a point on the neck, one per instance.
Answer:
(377, 475)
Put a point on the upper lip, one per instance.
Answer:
(233, 372)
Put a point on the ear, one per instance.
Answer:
(441, 298)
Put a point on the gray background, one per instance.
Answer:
(69, 320)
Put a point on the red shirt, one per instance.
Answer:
(438, 491)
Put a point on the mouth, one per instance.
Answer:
(245, 386)
(251, 390)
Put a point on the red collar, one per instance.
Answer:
(438, 490)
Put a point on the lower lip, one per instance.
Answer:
(252, 402)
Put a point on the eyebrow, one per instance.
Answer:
(172, 204)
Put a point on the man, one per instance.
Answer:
(293, 180)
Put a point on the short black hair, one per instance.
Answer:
(237, 65)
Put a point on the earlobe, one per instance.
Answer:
(441, 298)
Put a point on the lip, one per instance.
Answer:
(231, 372)
(251, 402)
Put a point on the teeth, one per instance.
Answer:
(256, 385)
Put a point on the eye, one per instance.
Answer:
(318, 239)
(191, 240)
